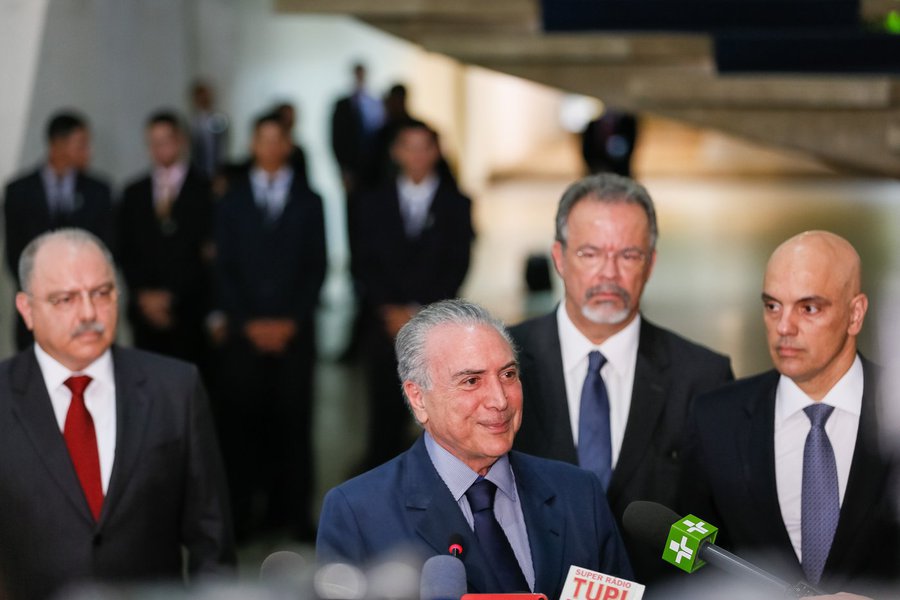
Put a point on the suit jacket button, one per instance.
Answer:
(98, 539)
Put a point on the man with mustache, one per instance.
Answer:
(522, 520)
(109, 468)
(605, 388)
(787, 463)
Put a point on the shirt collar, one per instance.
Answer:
(281, 179)
(173, 175)
(845, 395)
(619, 349)
(423, 189)
(55, 374)
(48, 175)
(459, 477)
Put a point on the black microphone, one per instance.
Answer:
(650, 522)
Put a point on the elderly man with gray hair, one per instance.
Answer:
(606, 389)
(522, 520)
(109, 468)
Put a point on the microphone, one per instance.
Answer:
(281, 565)
(455, 547)
(443, 578)
(284, 574)
(688, 544)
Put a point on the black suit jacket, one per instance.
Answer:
(28, 215)
(396, 269)
(347, 135)
(167, 488)
(170, 255)
(269, 269)
(729, 480)
(405, 505)
(670, 372)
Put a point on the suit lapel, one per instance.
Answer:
(549, 404)
(31, 405)
(545, 525)
(132, 411)
(758, 463)
(648, 399)
(868, 474)
(436, 516)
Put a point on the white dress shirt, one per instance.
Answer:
(99, 398)
(791, 428)
(458, 478)
(167, 182)
(271, 190)
(415, 202)
(620, 351)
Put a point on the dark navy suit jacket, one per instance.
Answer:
(729, 480)
(405, 505)
(166, 493)
(669, 373)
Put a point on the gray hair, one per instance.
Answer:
(412, 364)
(608, 188)
(72, 235)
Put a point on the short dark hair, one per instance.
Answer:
(165, 117)
(608, 188)
(269, 117)
(411, 124)
(63, 124)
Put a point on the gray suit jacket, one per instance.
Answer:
(670, 372)
(167, 487)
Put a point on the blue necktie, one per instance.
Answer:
(820, 500)
(493, 541)
(594, 442)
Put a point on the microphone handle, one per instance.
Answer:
(736, 565)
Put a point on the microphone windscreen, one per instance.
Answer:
(443, 578)
(649, 522)
(282, 564)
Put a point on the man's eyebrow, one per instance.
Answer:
(768, 298)
(469, 372)
(816, 299)
(511, 363)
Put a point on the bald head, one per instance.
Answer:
(813, 309)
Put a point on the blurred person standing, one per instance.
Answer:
(165, 246)
(355, 120)
(209, 131)
(59, 193)
(287, 112)
(416, 235)
(270, 266)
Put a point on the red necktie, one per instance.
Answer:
(81, 439)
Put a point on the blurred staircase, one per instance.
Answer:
(850, 120)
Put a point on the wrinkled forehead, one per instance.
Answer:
(64, 265)
(452, 348)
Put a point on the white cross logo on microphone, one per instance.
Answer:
(696, 527)
(682, 549)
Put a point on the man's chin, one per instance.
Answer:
(605, 315)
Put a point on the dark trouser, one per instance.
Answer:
(264, 408)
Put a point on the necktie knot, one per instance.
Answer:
(481, 495)
(818, 413)
(77, 384)
(595, 361)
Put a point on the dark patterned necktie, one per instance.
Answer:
(594, 441)
(820, 500)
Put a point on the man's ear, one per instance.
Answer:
(23, 305)
(858, 307)
(416, 400)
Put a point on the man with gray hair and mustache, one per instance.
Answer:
(604, 388)
(109, 467)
